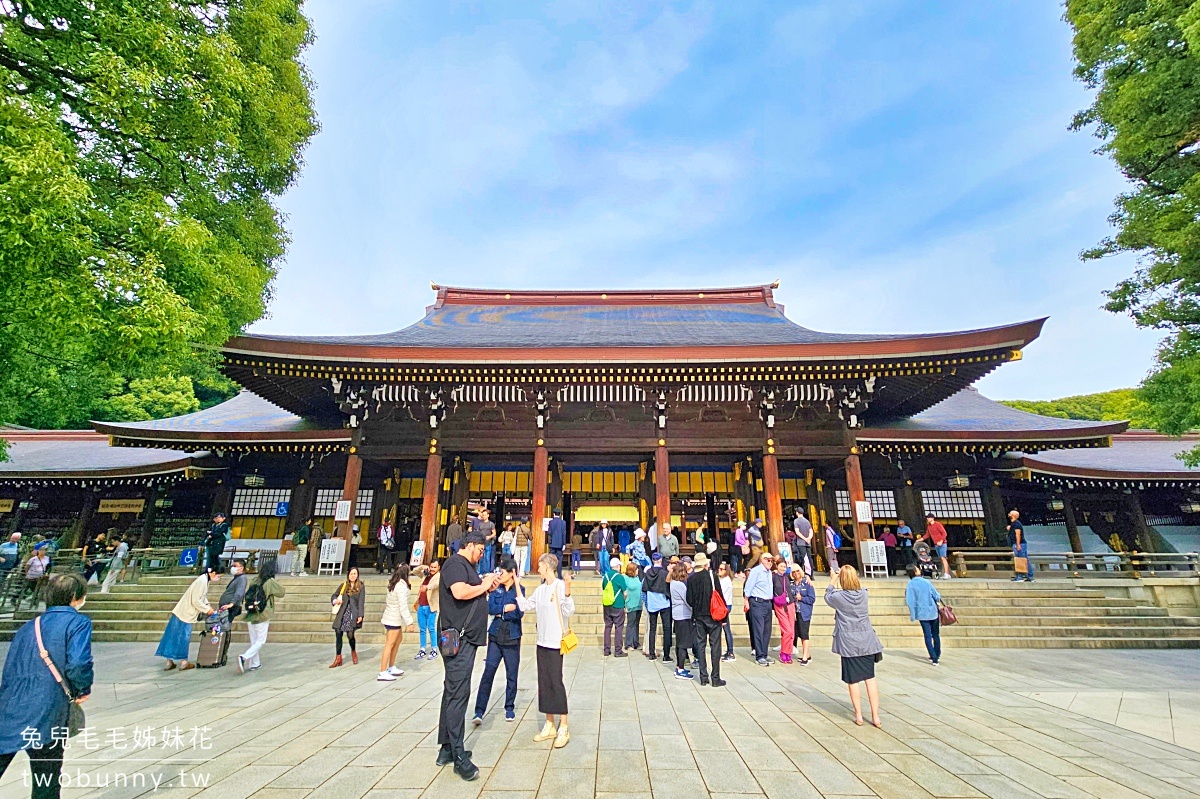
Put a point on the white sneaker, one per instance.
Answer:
(547, 733)
(386, 676)
(395, 671)
(562, 738)
(420, 655)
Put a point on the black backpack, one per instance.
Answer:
(256, 598)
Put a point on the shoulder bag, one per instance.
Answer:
(946, 615)
(716, 603)
(450, 639)
(336, 606)
(75, 720)
(569, 640)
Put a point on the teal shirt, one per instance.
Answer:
(633, 593)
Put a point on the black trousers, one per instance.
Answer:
(708, 641)
(760, 626)
(45, 768)
(456, 694)
(652, 632)
(683, 642)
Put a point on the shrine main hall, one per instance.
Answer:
(698, 407)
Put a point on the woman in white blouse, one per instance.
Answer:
(552, 603)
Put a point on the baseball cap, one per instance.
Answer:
(656, 556)
(615, 563)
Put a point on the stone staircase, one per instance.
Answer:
(992, 613)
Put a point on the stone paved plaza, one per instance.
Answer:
(995, 723)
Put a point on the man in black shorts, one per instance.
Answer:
(463, 597)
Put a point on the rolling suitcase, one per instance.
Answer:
(214, 643)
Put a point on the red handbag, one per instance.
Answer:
(946, 615)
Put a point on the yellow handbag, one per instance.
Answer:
(569, 640)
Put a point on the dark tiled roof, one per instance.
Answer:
(244, 412)
(1131, 455)
(970, 411)
(53, 454)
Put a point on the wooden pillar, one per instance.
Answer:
(537, 510)
(995, 516)
(854, 485)
(1141, 529)
(429, 502)
(662, 485)
(150, 514)
(774, 500)
(1072, 524)
(77, 534)
(350, 492)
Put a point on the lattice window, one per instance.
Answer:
(259, 501)
(965, 504)
(883, 504)
(327, 500)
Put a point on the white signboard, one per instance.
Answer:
(862, 512)
(418, 554)
(785, 552)
(342, 512)
(333, 555)
(873, 558)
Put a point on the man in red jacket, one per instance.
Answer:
(935, 533)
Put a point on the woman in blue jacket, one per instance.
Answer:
(806, 597)
(504, 642)
(922, 599)
(33, 706)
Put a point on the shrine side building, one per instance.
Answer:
(698, 407)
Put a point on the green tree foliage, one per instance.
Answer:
(1143, 59)
(142, 145)
(1108, 406)
(151, 398)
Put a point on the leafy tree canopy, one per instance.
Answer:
(1107, 406)
(1142, 57)
(142, 146)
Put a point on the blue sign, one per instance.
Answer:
(189, 557)
(281, 508)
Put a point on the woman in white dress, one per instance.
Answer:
(552, 603)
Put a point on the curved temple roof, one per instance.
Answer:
(83, 455)
(1138, 455)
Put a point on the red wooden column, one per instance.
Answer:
(429, 501)
(774, 498)
(350, 492)
(537, 511)
(662, 485)
(854, 485)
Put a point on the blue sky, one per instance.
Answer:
(899, 166)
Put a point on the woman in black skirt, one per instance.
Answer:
(854, 639)
(552, 603)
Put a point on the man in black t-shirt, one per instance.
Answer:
(463, 597)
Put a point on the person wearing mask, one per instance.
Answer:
(633, 606)
(454, 534)
(700, 585)
(463, 603)
(725, 580)
(833, 542)
(922, 598)
(177, 637)
(214, 541)
(681, 619)
(806, 598)
(487, 528)
(258, 621)
(601, 541)
(557, 532)
(504, 642)
(854, 639)
(349, 604)
(300, 540)
(395, 619)
(521, 548)
(1020, 547)
(36, 693)
(552, 603)
(612, 598)
(668, 544)
(936, 535)
(784, 601)
(802, 550)
(231, 597)
(758, 604)
(739, 550)
(426, 606)
(658, 606)
(904, 543)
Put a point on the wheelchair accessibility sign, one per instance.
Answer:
(189, 557)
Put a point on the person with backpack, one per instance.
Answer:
(833, 542)
(658, 606)
(396, 617)
(387, 547)
(709, 611)
(612, 597)
(260, 609)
